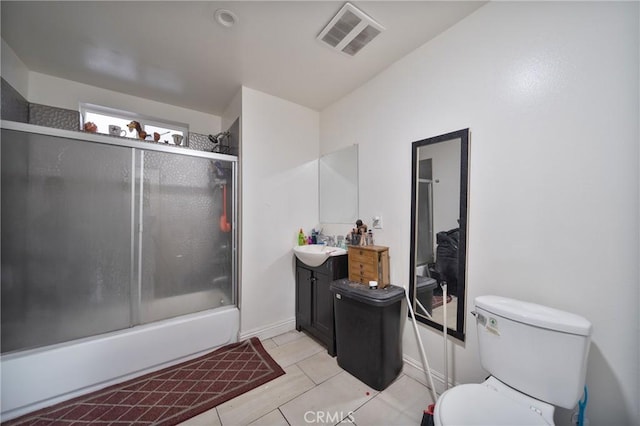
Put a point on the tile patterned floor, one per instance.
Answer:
(316, 391)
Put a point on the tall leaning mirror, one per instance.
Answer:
(439, 170)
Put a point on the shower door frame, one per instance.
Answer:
(138, 149)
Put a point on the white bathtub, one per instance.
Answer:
(41, 377)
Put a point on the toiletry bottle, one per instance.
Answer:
(301, 239)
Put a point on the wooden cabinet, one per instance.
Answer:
(369, 263)
(314, 301)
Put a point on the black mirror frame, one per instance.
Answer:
(463, 135)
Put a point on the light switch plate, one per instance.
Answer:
(377, 222)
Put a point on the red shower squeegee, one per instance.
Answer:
(225, 226)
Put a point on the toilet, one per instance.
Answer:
(536, 357)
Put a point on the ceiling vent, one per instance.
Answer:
(350, 30)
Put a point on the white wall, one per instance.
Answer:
(279, 151)
(232, 112)
(48, 90)
(13, 70)
(550, 92)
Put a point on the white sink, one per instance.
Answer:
(316, 254)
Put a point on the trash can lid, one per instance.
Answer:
(426, 283)
(356, 291)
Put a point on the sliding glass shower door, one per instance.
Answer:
(185, 254)
(98, 237)
(66, 237)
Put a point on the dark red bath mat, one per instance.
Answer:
(168, 396)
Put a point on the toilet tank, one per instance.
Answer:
(537, 350)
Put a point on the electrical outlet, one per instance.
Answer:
(377, 222)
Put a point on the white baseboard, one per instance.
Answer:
(415, 370)
(270, 330)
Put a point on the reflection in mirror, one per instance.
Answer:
(438, 230)
(338, 186)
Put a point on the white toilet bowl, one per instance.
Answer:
(524, 387)
(491, 403)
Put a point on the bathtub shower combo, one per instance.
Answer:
(118, 257)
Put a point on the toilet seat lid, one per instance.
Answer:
(478, 404)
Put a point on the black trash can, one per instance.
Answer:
(368, 335)
(424, 293)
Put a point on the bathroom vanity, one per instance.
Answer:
(314, 301)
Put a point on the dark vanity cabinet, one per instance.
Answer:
(314, 301)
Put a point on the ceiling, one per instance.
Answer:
(175, 52)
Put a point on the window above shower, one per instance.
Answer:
(115, 122)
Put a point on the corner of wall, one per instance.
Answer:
(233, 111)
(13, 70)
(279, 168)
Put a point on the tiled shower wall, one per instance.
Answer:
(16, 108)
(48, 116)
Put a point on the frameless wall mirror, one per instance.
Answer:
(439, 230)
(338, 186)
